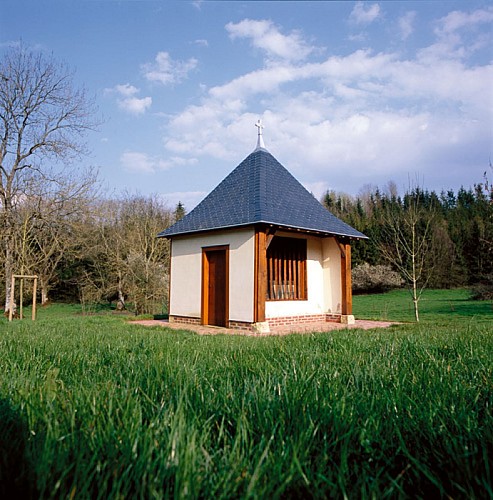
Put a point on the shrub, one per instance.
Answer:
(484, 289)
(375, 279)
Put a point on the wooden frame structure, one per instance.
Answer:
(286, 269)
(22, 277)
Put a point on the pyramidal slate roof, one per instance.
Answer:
(260, 190)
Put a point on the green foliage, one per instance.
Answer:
(462, 232)
(94, 407)
(179, 212)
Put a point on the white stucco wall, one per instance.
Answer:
(186, 273)
(323, 268)
(331, 265)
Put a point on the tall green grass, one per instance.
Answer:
(435, 306)
(94, 407)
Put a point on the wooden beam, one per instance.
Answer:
(341, 248)
(35, 290)
(204, 309)
(260, 276)
(169, 275)
(347, 294)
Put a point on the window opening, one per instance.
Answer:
(286, 269)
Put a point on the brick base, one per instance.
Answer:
(305, 319)
(270, 323)
(186, 320)
(241, 325)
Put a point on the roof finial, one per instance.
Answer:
(260, 139)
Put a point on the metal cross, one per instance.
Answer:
(260, 139)
(259, 126)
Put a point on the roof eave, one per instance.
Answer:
(270, 223)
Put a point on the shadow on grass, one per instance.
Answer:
(17, 478)
(460, 307)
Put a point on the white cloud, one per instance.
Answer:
(358, 37)
(134, 105)
(126, 90)
(406, 24)
(457, 20)
(376, 115)
(189, 199)
(457, 35)
(176, 161)
(318, 189)
(168, 71)
(265, 80)
(128, 101)
(134, 161)
(364, 13)
(266, 36)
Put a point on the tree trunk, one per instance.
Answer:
(414, 275)
(44, 294)
(415, 303)
(9, 270)
(120, 304)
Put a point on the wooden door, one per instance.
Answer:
(215, 287)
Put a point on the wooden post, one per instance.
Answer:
(169, 277)
(204, 308)
(35, 289)
(21, 299)
(12, 290)
(347, 295)
(12, 296)
(260, 280)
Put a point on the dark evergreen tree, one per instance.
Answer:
(180, 211)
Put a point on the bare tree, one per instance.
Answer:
(43, 118)
(50, 216)
(409, 245)
(128, 260)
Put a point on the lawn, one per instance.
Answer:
(95, 407)
(442, 306)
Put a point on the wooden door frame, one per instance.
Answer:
(204, 309)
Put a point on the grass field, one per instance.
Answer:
(91, 406)
(436, 306)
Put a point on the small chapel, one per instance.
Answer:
(258, 252)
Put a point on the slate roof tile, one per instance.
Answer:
(260, 190)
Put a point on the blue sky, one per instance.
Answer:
(351, 94)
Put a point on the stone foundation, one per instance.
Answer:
(348, 319)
